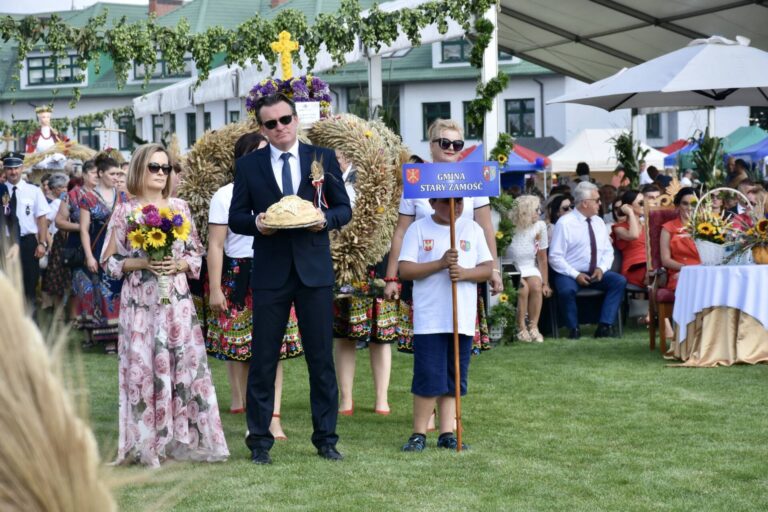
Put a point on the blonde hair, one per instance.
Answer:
(443, 124)
(522, 212)
(136, 171)
(50, 458)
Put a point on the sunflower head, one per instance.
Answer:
(137, 238)
(705, 228)
(166, 213)
(762, 226)
(503, 298)
(499, 235)
(502, 159)
(155, 239)
(182, 232)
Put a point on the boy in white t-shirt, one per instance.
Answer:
(427, 259)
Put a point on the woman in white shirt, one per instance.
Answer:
(230, 320)
(528, 250)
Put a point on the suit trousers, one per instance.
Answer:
(314, 311)
(612, 284)
(30, 267)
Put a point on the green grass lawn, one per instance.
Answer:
(587, 425)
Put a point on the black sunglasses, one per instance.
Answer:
(566, 208)
(447, 143)
(154, 168)
(272, 123)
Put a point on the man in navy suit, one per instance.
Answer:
(289, 266)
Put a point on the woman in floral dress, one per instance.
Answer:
(168, 407)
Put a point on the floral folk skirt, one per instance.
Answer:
(369, 319)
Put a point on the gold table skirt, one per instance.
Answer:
(721, 336)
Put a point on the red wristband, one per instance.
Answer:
(391, 280)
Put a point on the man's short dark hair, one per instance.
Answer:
(650, 187)
(273, 99)
(741, 164)
(582, 168)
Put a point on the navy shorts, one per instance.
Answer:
(433, 369)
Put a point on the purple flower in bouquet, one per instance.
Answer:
(149, 209)
(303, 88)
(178, 220)
(299, 89)
(152, 218)
(166, 225)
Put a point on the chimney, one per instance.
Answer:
(275, 3)
(161, 7)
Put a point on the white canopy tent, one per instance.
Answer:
(594, 146)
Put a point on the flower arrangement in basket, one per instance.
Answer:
(711, 231)
(154, 230)
(504, 314)
(299, 89)
(752, 234)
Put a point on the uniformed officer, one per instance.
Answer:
(25, 209)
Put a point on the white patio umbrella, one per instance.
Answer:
(714, 72)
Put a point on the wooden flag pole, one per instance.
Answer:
(456, 368)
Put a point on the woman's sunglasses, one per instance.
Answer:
(446, 143)
(272, 123)
(154, 168)
(566, 208)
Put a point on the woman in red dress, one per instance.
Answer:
(676, 243)
(629, 237)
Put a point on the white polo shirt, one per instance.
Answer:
(30, 204)
(235, 246)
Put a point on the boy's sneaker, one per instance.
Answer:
(416, 443)
(449, 441)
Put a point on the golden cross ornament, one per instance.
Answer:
(284, 47)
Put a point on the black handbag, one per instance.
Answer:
(73, 257)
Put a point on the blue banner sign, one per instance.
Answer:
(461, 179)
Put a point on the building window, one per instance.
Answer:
(234, 116)
(459, 50)
(173, 124)
(358, 104)
(432, 111)
(759, 116)
(126, 140)
(88, 136)
(191, 129)
(521, 117)
(206, 121)
(653, 126)
(45, 70)
(470, 130)
(157, 128)
(161, 69)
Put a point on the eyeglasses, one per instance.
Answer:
(447, 143)
(566, 208)
(154, 168)
(687, 203)
(594, 199)
(272, 123)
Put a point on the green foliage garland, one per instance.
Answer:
(709, 159)
(26, 127)
(504, 314)
(483, 103)
(139, 42)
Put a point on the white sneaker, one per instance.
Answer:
(536, 335)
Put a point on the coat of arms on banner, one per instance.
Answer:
(428, 245)
(465, 245)
(412, 175)
(489, 172)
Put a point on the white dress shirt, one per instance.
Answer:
(277, 166)
(645, 178)
(350, 187)
(30, 204)
(569, 252)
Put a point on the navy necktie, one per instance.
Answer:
(592, 248)
(287, 180)
(13, 219)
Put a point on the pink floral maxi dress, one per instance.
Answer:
(168, 405)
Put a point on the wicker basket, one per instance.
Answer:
(711, 253)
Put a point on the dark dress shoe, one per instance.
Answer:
(329, 452)
(574, 334)
(261, 457)
(604, 331)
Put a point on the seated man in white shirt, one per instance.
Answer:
(581, 255)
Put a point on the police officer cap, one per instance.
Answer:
(13, 160)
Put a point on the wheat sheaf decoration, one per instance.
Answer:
(49, 455)
(208, 166)
(377, 154)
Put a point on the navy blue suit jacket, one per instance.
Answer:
(256, 190)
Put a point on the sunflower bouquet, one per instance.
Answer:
(154, 230)
(752, 234)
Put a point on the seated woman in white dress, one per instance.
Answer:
(528, 250)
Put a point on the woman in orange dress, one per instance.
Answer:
(629, 237)
(676, 243)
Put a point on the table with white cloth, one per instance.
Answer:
(721, 315)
